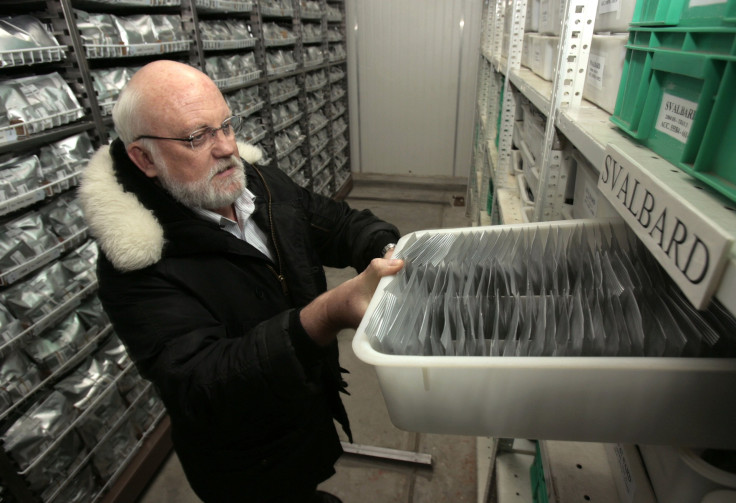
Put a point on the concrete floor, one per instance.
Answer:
(411, 204)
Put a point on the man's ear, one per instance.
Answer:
(143, 160)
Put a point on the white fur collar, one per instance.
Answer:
(127, 232)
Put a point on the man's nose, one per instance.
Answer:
(224, 144)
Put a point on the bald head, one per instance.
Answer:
(155, 97)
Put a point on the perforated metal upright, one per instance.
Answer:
(76, 70)
(567, 90)
(484, 93)
(505, 170)
(190, 22)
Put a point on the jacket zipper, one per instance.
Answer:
(278, 273)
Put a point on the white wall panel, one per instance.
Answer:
(412, 71)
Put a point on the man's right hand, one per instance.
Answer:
(345, 305)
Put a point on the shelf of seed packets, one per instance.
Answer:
(337, 111)
(73, 409)
(229, 35)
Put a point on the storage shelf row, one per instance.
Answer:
(83, 352)
(33, 56)
(557, 472)
(684, 208)
(589, 129)
(83, 66)
(13, 274)
(34, 131)
(33, 196)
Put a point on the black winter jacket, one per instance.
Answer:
(214, 324)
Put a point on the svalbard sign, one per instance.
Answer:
(692, 249)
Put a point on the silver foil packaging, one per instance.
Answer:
(33, 104)
(90, 386)
(34, 298)
(92, 314)
(29, 436)
(114, 352)
(64, 158)
(20, 175)
(23, 239)
(63, 216)
(54, 347)
(114, 450)
(25, 40)
(18, 377)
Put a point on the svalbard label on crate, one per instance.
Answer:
(676, 116)
(605, 6)
(596, 65)
(691, 248)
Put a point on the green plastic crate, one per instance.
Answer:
(536, 474)
(632, 91)
(684, 13)
(681, 105)
(713, 41)
(715, 161)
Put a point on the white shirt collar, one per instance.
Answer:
(245, 205)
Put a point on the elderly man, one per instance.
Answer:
(211, 270)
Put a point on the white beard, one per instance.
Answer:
(206, 192)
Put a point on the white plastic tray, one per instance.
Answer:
(683, 401)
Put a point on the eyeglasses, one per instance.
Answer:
(206, 135)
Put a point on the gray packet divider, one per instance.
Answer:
(527, 324)
(695, 343)
(495, 349)
(511, 340)
(655, 340)
(437, 324)
(577, 325)
(536, 346)
(550, 325)
(446, 338)
(632, 319)
(626, 343)
(612, 345)
(562, 332)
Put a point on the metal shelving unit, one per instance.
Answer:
(587, 127)
(501, 82)
(74, 62)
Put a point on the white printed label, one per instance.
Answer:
(590, 200)
(29, 90)
(596, 66)
(605, 6)
(17, 257)
(8, 135)
(626, 475)
(544, 13)
(537, 55)
(143, 49)
(676, 116)
(699, 3)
